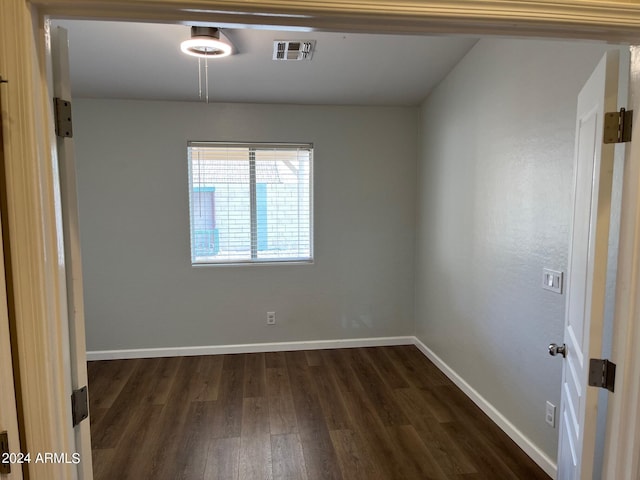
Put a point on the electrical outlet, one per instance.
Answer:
(271, 318)
(550, 414)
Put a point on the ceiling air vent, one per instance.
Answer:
(293, 49)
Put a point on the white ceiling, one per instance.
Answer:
(144, 61)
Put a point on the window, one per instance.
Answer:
(250, 203)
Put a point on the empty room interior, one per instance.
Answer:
(313, 315)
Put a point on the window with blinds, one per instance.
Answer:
(250, 203)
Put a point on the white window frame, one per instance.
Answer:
(254, 260)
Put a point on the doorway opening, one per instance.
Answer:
(81, 221)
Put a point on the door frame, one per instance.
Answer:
(34, 231)
(9, 421)
(60, 85)
(622, 445)
(34, 218)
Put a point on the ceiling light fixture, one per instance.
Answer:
(205, 43)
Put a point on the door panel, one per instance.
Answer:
(593, 163)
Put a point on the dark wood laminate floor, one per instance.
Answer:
(363, 413)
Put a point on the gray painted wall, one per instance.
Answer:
(494, 149)
(132, 181)
(494, 208)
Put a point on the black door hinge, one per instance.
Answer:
(62, 111)
(617, 126)
(602, 373)
(5, 464)
(79, 405)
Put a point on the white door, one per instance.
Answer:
(8, 416)
(59, 58)
(593, 164)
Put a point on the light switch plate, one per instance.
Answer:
(550, 414)
(552, 280)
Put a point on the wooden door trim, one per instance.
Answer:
(9, 374)
(33, 232)
(33, 213)
(610, 21)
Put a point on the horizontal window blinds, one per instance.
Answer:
(250, 202)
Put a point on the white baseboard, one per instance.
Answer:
(537, 455)
(546, 463)
(248, 348)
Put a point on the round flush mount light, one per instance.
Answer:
(205, 42)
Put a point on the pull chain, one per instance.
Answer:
(199, 79)
(206, 77)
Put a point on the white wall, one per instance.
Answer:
(132, 179)
(494, 208)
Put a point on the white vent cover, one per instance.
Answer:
(293, 49)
